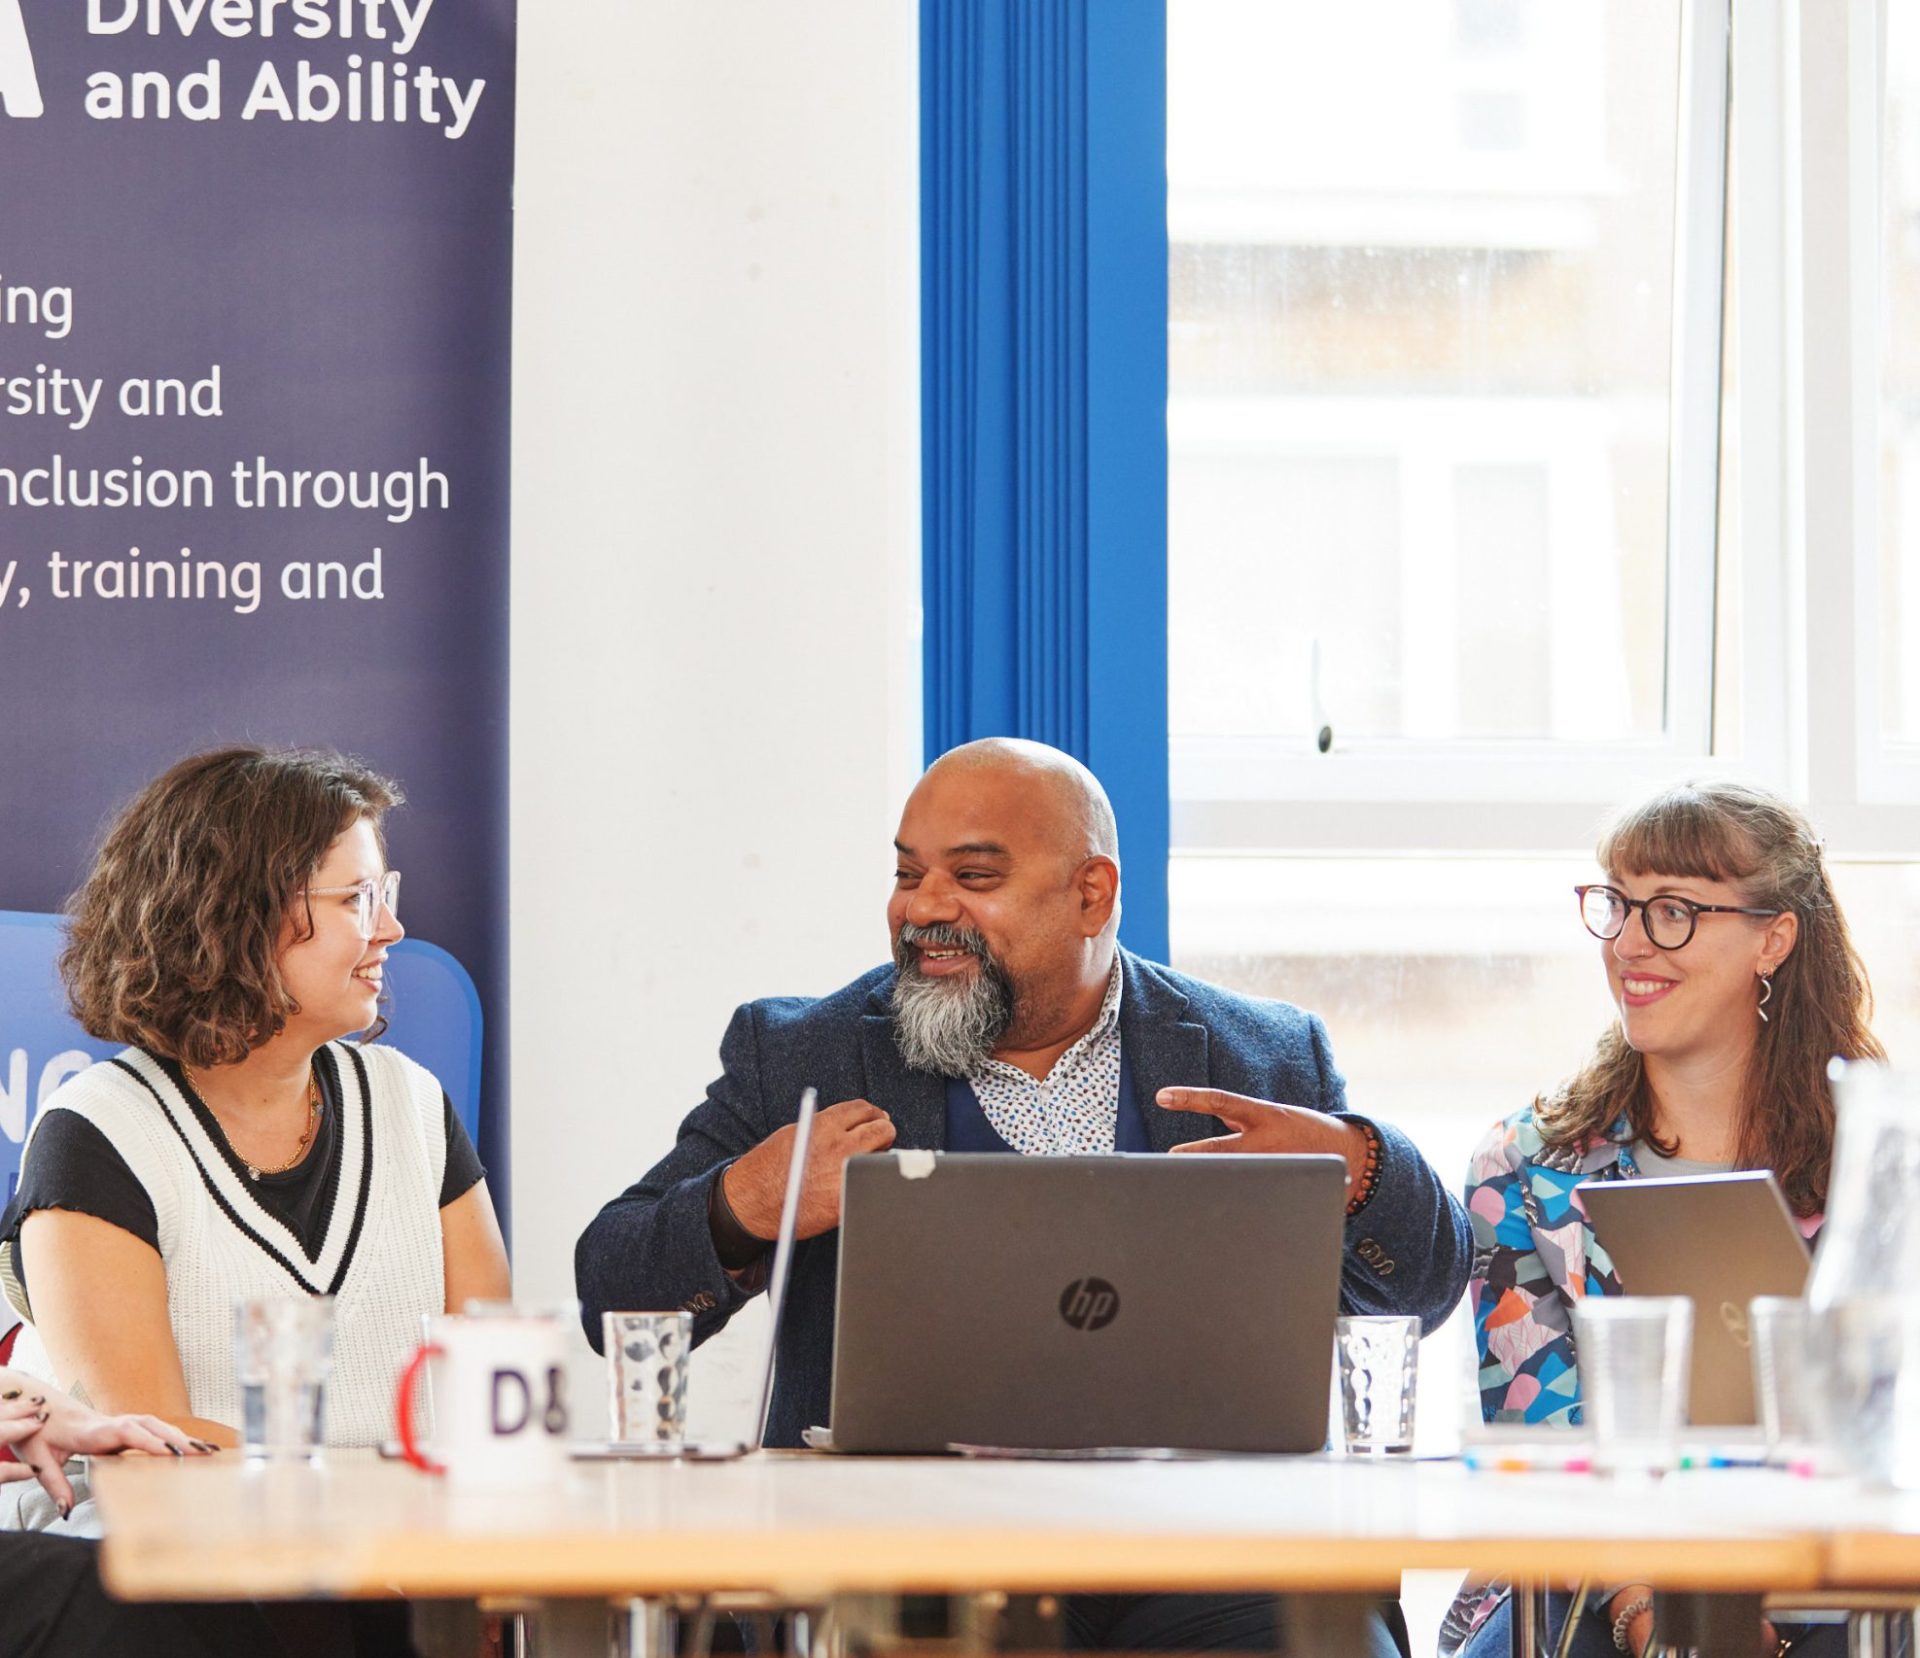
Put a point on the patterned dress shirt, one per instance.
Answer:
(1073, 1109)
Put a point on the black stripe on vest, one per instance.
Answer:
(214, 1191)
(366, 1169)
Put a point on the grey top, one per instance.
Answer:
(1651, 1164)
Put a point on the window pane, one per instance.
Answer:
(1900, 386)
(1421, 293)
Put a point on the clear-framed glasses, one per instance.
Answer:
(1669, 920)
(371, 897)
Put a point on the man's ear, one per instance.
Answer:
(1099, 884)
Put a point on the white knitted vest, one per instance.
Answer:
(381, 1257)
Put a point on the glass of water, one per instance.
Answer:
(283, 1355)
(1635, 1354)
(1868, 1363)
(1379, 1362)
(1782, 1378)
(647, 1377)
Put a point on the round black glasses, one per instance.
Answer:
(1669, 921)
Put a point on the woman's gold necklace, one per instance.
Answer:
(255, 1170)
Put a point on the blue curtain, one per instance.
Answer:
(1043, 401)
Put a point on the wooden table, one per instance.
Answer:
(1869, 1539)
(807, 1528)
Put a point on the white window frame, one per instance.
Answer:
(1805, 137)
(1863, 785)
(1237, 794)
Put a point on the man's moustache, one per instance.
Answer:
(941, 935)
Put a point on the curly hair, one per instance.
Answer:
(1727, 831)
(174, 940)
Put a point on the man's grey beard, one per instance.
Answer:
(948, 1025)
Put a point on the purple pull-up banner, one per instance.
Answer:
(255, 259)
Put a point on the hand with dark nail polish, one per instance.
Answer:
(43, 1436)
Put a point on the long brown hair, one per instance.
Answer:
(173, 942)
(1821, 1003)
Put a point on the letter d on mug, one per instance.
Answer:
(512, 1402)
(498, 1393)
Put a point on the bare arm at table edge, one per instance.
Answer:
(100, 1307)
(40, 1427)
(475, 1254)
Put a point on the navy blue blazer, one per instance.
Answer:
(1407, 1251)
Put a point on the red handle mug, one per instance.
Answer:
(403, 1407)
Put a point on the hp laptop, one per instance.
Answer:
(1721, 1239)
(1078, 1303)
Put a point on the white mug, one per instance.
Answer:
(499, 1395)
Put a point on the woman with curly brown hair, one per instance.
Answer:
(1729, 961)
(233, 934)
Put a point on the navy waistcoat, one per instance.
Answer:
(969, 1129)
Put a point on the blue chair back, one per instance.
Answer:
(434, 1012)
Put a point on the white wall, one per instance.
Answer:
(715, 709)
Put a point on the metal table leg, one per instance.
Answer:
(1871, 1634)
(651, 1630)
(1526, 1619)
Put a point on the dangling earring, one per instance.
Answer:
(1766, 994)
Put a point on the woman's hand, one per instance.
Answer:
(43, 1427)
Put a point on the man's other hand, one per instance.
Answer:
(755, 1186)
(1262, 1126)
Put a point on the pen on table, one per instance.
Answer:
(1495, 1464)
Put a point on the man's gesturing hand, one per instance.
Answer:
(756, 1185)
(1260, 1125)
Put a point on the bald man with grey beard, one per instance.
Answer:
(1009, 1020)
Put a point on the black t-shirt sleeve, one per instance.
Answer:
(464, 1170)
(72, 1165)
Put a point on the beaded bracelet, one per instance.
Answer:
(1632, 1610)
(1369, 1179)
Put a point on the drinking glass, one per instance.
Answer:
(283, 1355)
(1864, 1297)
(1782, 1378)
(1869, 1353)
(1635, 1352)
(647, 1377)
(1378, 1367)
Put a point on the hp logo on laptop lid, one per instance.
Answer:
(1089, 1303)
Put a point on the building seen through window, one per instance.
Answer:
(1421, 291)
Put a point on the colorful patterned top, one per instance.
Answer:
(1534, 1256)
